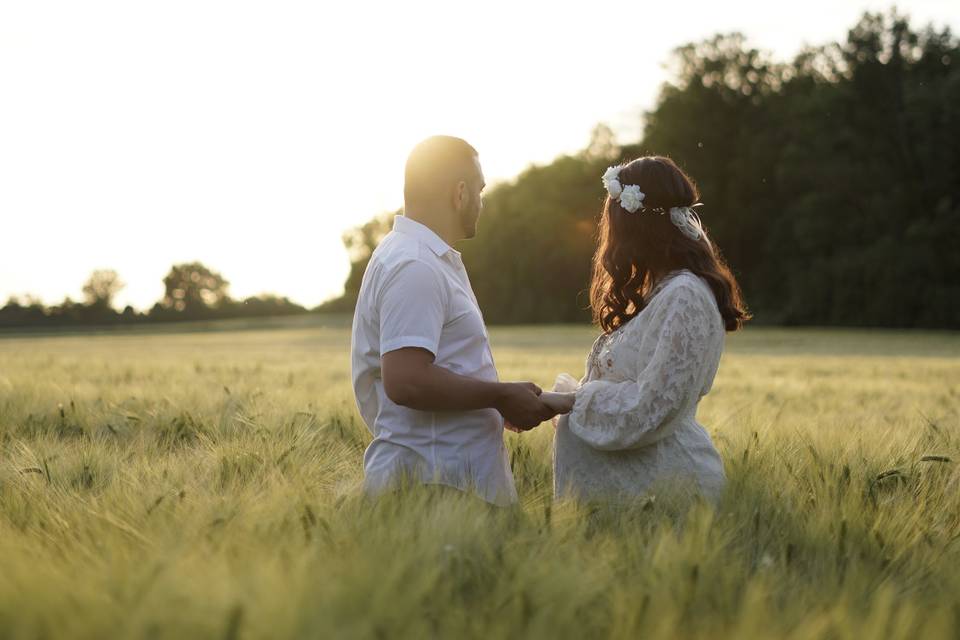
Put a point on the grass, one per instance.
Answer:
(183, 485)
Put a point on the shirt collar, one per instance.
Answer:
(423, 233)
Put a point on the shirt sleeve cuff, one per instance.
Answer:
(409, 341)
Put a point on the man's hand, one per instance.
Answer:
(520, 405)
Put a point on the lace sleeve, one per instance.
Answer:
(631, 414)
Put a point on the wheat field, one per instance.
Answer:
(205, 484)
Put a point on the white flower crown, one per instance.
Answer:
(631, 199)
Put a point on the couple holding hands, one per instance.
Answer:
(424, 375)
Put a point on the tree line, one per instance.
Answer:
(192, 291)
(832, 183)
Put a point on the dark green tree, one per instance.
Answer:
(832, 183)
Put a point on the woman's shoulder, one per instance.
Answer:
(679, 282)
(685, 289)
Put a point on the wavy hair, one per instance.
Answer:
(635, 250)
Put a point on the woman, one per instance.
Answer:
(664, 297)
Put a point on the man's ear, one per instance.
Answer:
(460, 195)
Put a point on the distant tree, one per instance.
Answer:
(25, 311)
(832, 183)
(360, 243)
(268, 304)
(603, 144)
(530, 261)
(191, 289)
(129, 314)
(101, 288)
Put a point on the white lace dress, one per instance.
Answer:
(633, 428)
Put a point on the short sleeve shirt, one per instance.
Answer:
(416, 293)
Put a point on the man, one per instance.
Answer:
(423, 372)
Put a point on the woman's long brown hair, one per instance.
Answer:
(635, 250)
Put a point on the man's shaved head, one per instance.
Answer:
(435, 166)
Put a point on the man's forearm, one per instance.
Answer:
(437, 389)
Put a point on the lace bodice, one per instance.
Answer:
(643, 382)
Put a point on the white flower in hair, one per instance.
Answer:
(611, 182)
(632, 198)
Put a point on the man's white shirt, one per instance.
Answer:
(416, 293)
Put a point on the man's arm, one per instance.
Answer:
(411, 379)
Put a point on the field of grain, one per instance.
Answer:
(205, 484)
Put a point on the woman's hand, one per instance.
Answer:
(565, 383)
(559, 403)
(565, 387)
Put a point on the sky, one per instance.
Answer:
(251, 135)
